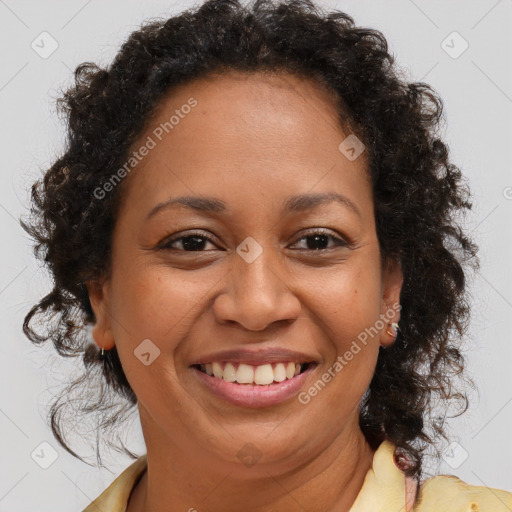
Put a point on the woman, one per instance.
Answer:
(255, 218)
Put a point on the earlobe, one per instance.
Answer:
(99, 298)
(392, 286)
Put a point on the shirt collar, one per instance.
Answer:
(385, 487)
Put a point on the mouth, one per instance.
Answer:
(259, 375)
(253, 386)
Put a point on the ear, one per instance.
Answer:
(99, 297)
(392, 280)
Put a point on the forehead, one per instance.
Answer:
(263, 88)
(245, 134)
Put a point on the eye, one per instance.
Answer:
(193, 242)
(316, 240)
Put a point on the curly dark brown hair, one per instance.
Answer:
(419, 199)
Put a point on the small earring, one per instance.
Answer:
(395, 327)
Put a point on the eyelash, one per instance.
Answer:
(340, 242)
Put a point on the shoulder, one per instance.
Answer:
(447, 493)
(116, 496)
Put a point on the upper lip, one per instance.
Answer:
(256, 356)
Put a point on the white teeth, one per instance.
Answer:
(264, 374)
(247, 374)
(279, 372)
(290, 370)
(217, 370)
(229, 373)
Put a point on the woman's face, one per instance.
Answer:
(254, 278)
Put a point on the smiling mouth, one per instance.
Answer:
(262, 375)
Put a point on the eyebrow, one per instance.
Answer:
(293, 204)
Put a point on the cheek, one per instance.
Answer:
(348, 308)
(353, 350)
(153, 303)
(349, 302)
(152, 308)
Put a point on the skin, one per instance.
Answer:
(252, 141)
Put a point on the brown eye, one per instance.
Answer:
(193, 242)
(319, 241)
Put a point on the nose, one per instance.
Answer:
(257, 295)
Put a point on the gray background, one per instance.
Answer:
(477, 90)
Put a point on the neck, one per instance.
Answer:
(329, 481)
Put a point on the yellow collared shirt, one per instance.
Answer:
(385, 489)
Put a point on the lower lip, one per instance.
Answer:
(253, 395)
